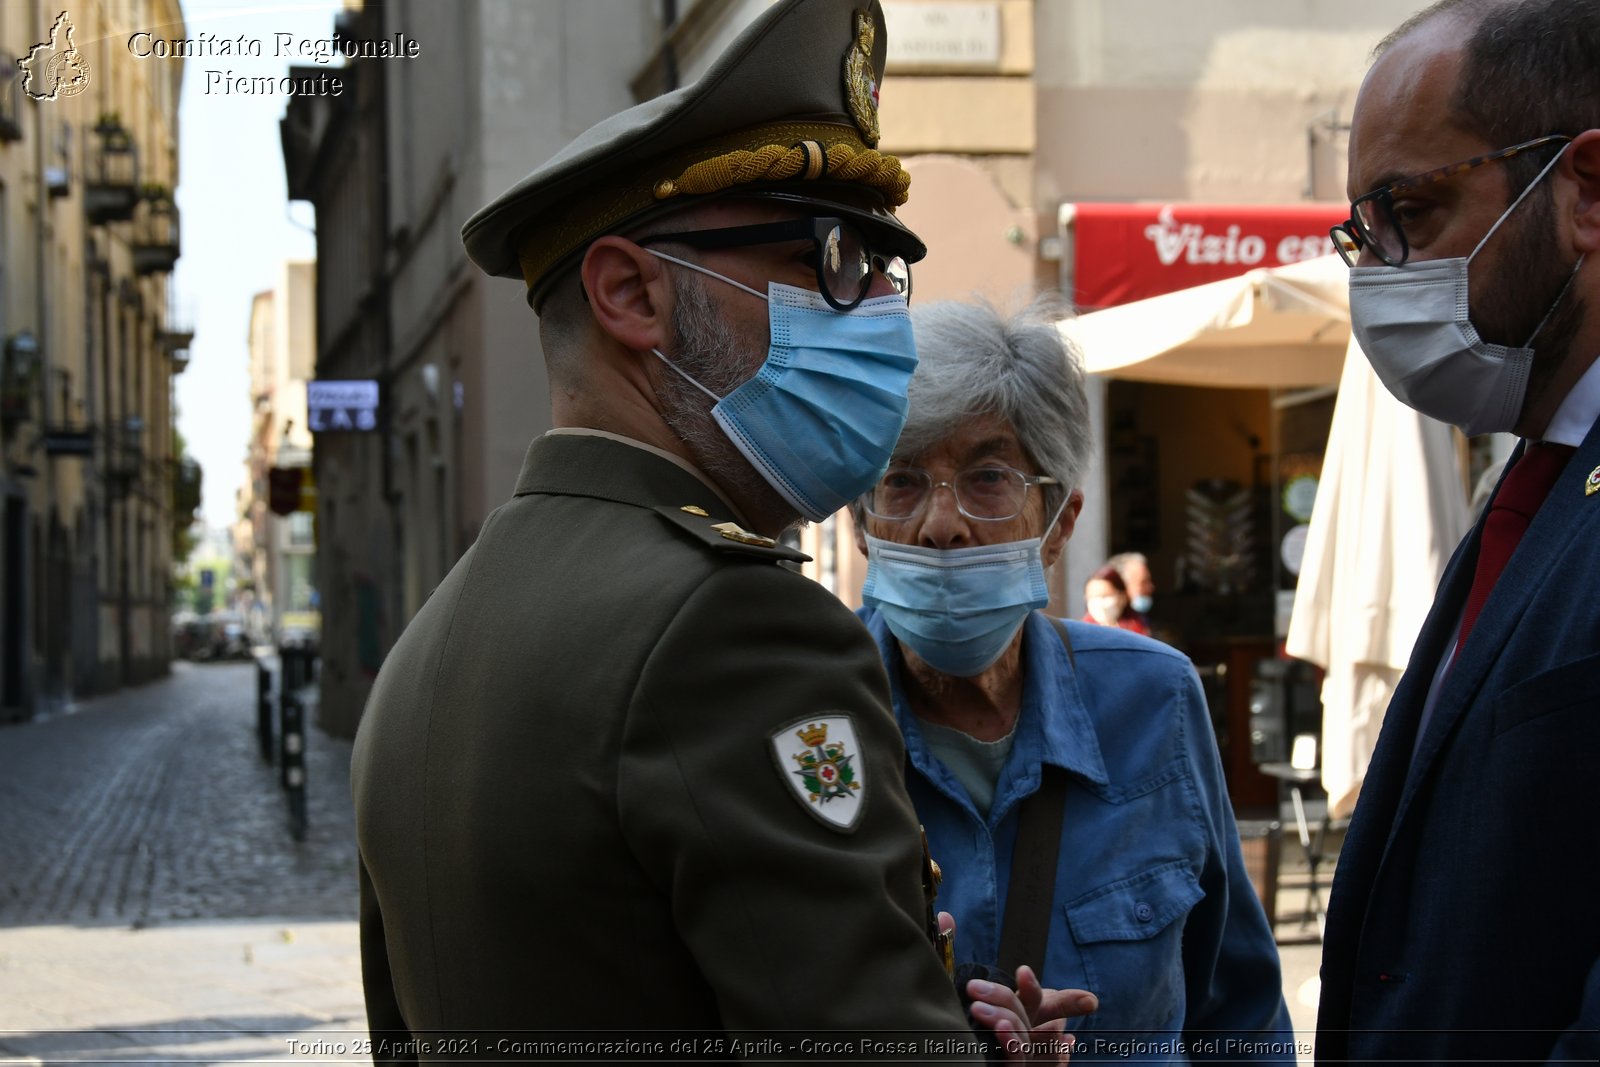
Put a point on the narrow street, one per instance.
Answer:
(153, 905)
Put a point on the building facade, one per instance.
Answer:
(393, 167)
(88, 238)
(278, 551)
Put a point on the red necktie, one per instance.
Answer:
(1514, 506)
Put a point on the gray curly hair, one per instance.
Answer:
(973, 359)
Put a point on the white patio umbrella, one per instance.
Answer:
(1391, 505)
(1390, 508)
(1272, 328)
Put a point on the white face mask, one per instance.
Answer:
(1414, 325)
(1105, 610)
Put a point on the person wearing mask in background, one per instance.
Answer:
(1140, 583)
(1462, 924)
(1066, 774)
(1107, 602)
(624, 773)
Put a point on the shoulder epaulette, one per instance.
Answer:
(727, 536)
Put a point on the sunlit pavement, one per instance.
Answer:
(1299, 949)
(153, 906)
(184, 992)
(1300, 989)
(212, 992)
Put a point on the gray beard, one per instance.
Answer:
(708, 349)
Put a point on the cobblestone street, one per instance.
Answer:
(150, 890)
(153, 804)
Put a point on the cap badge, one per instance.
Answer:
(821, 769)
(860, 87)
(1592, 486)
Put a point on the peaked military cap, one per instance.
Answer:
(789, 111)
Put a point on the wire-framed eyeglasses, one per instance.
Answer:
(1374, 222)
(844, 258)
(988, 494)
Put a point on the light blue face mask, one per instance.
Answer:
(1142, 603)
(957, 608)
(820, 419)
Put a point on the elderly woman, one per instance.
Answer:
(1096, 741)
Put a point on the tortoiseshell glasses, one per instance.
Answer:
(1374, 223)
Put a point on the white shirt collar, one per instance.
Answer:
(1578, 412)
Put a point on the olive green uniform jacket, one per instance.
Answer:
(571, 810)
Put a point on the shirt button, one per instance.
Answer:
(1143, 912)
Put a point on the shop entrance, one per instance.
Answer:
(1215, 487)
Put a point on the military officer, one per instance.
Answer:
(625, 771)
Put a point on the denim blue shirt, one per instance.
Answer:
(1155, 913)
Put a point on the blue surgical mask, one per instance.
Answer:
(957, 608)
(820, 419)
(1142, 603)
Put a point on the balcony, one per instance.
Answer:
(155, 232)
(176, 335)
(19, 372)
(10, 99)
(124, 466)
(58, 180)
(111, 177)
(186, 482)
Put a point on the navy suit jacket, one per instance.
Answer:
(1464, 921)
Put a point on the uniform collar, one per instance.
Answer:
(675, 460)
(605, 467)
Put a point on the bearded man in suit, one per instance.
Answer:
(1463, 924)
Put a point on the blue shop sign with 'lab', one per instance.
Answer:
(348, 405)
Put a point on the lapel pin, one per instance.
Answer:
(1592, 486)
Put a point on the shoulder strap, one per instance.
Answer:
(1025, 927)
(728, 536)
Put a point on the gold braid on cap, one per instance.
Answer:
(619, 190)
(805, 160)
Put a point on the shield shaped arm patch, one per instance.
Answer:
(821, 764)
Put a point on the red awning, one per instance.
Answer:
(1126, 252)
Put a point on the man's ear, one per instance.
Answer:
(628, 293)
(1056, 539)
(1583, 165)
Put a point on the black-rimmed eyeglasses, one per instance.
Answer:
(1374, 223)
(844, 259)
(988, 494)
